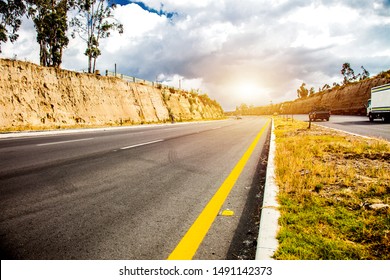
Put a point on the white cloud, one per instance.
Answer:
(322, 16)
(26, 47)
(181, 82)
(316, 23)
(137, 20)
(212, 39)
(316, 40)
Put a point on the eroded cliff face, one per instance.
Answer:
(35, 97)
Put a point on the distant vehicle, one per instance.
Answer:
(319, 113)
(378, 106)
(238, 118)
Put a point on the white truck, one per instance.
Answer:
(378, 107)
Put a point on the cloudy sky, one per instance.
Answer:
(248, 51)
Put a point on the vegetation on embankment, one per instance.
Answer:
(35, 97)
(334, 194)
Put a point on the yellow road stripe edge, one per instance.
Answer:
(191, 241)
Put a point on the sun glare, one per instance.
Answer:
(247, 91)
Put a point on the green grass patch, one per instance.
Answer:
(329, 183)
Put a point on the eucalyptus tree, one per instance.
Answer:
(11, 12)
(93, 22)
(349, 74)
(302, 91)
(50, 21)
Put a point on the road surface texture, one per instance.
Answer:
(129, 193)
(354, 124)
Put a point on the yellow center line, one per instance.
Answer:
(191, 241)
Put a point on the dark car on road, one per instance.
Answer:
(319, 113)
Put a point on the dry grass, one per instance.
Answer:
(328, 182)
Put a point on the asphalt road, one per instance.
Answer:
(128, 193)
(355, 124)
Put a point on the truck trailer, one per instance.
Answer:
(378, 106)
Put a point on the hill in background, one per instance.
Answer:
(349, 99)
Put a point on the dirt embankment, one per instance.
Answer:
(348, 99)
(35, 97)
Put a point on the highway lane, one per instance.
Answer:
(127, 193)
(355, 124)
(59, 147)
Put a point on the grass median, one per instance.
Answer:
(334, 194)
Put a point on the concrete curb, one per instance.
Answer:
(267, 242)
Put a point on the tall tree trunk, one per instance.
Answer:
(94, 65)
(89, 60)
(43, 53)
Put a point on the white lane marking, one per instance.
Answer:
(142, 144)
(63, 142)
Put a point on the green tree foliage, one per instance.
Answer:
(50, 20)
(349, 74)
(302, 91)
(94, 21)
(364, 75)
(11, 12)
